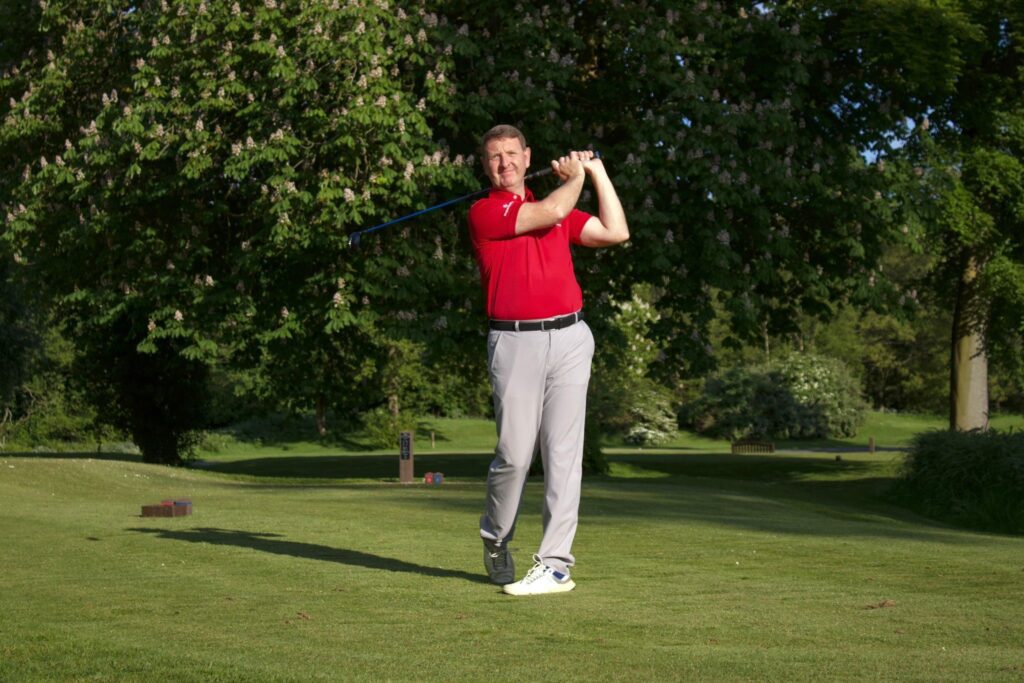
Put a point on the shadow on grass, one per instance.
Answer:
(772, 468)
(832, 446)
(273, 543)
(471, 465)
(284, 431)
(75, 455)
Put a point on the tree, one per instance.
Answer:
(207, 160)
(734, 132)
(967, 162)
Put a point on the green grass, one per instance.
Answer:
(692, 565)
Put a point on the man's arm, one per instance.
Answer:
(556, 206)
(609, 227)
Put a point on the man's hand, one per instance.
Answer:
(593, 165)
(572, 165)
(560, 203)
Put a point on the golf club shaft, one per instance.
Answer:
(354, 238)
(437, 206)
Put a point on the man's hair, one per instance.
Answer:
(500, 132)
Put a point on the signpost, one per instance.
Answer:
(405, 458)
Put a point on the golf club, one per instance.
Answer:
(353, 239)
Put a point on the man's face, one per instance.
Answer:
(506, 161)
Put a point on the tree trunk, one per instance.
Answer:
(968, 368)
(321, 415)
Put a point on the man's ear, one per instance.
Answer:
(526, 158)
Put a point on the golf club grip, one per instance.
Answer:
(546, 171)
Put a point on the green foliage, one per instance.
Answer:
(207, 160)
(961, 173)
(969, 478)
(624, 399)
(801, 396)
(381, 428)
(20, 333)
(229, 399)
(40, 403)
(901, 363)
(733, 141)
(635, 407)
(51, 408)
(455, 386)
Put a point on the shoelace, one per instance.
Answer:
(538, 570)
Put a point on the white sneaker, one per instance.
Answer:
(541, 579)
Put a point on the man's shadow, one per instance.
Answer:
(271, 543)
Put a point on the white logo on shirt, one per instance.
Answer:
(507, 207)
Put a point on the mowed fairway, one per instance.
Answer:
(690, 567)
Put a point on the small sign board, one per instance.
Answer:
(405, 457)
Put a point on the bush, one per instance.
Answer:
(623, 400)
(636, 407)
(381, 428)
(829, 396)
(798, 397)
(44, 407)
(645, 436)
(973, 479)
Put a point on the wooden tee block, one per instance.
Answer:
(168, 508)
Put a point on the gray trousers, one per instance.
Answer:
(540, 382)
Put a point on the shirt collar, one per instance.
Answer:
(503, 194)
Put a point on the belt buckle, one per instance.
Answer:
(543, 324)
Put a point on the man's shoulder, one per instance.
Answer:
(496, 204)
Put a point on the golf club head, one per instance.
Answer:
(353, 240)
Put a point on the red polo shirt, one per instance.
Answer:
(528, 276)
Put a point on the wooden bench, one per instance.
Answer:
(753, 447)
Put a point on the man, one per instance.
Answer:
(539, 349)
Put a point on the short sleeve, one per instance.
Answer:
(575, 222)
(493, 219)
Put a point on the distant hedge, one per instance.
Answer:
(973, 479)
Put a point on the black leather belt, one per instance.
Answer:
(536, 325)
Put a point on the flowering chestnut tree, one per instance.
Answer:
(735, 134)
(187, 173)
